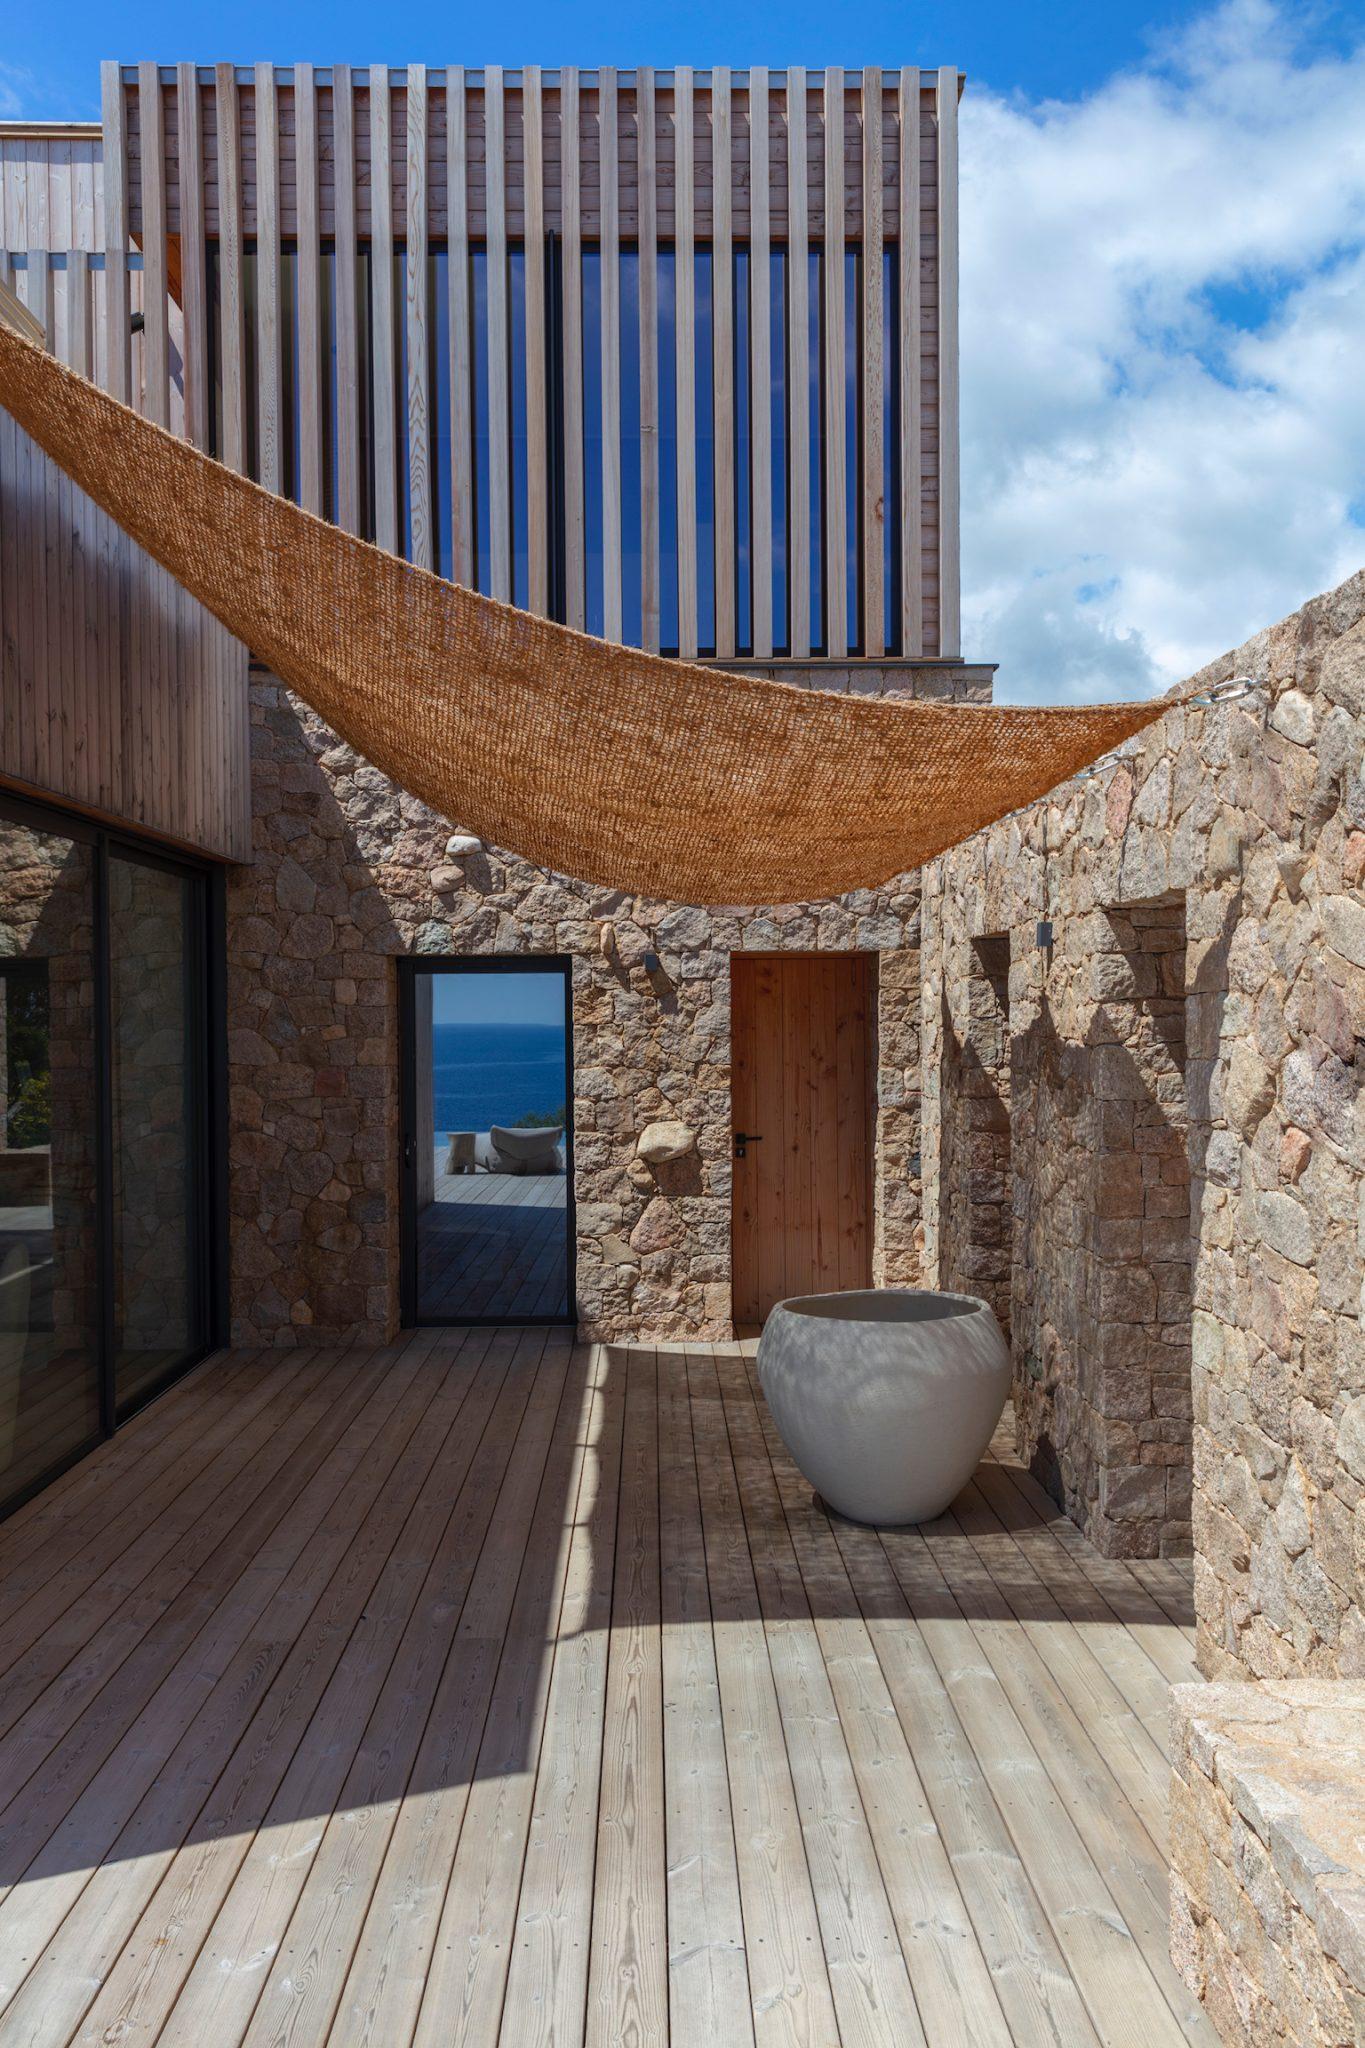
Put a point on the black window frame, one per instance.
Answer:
(410, 965)
(209, 1108)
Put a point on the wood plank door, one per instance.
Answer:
(800, 1115)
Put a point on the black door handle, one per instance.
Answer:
(743, 1139)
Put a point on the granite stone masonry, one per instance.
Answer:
(349, 873)
(1268, 1859)
(1186, 1033)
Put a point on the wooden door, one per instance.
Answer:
(800, 1117)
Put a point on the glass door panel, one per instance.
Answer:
(49, 1122)
(157, 1048)
(489, 1143)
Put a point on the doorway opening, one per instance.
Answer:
(487, 1086)
(801, 1095)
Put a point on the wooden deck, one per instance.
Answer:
(495, 1689)
(493, 1245)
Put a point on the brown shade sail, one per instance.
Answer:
(598, 761)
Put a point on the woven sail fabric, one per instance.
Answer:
(600, 762)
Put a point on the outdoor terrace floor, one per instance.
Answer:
(491, 1688)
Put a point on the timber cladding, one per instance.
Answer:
(342, 170)
(119, 694)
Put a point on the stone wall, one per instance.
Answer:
(973, 1183)
(350, 873)
(1251, 814)
(1268, 1859)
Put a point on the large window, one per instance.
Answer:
(107, 1283)
(805, 606)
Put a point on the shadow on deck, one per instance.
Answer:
(495, 1688)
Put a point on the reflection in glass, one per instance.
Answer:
(155, 1045)
(49, 1377)
(491, 1098)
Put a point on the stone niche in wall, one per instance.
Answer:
(976, 1201)
(1102, 1277)
(1139, 1250)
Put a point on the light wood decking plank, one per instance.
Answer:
(390, 1973)
(789, 1988)
(1032, 1983)
(238, 1747)
(869, 1977)
(628, 1986)
(488, 1689)
(194, 1881)
(951, 1979)
(118, 1761)
(547, 1984)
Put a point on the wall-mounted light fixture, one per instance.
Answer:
(1045, 933)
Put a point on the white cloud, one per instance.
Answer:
(17, 92)
(1163, 322)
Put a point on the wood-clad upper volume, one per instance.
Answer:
(668, 354)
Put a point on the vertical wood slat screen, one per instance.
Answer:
(444, 270)
(310, 373)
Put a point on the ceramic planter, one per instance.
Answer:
(885, 1399)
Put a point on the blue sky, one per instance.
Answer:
(1163, 278)
(498, 999)
(51, 55)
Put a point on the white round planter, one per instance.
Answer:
(885, 1399)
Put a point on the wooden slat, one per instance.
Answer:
(499, 359)
(760, 358)
(609, 209)
(777, 1895)
(684, 350)
(836, 462)
(347, 302)
(723, 361)
(269, 327)
(571, 213)
(310, 383)
(798, 373)
(418, 325)
(383, 337)
(461, 332)
(628, 1985)
(231, 296)
(911, 344)
(873, 478)
(118, 311)
(537, 439)
(155, 329)
(80, 354)
(547, 1985)
(193, 277)
(647, 146)
(707, 1980)
(949, 485)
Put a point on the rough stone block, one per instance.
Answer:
(1268, 1857)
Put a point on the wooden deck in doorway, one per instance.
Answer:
(496, 1689)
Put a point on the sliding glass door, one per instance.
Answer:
(157, 1099)
(50, 1313)
(487, 1141)
(105, 1192)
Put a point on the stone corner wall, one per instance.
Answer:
(1251, 815)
